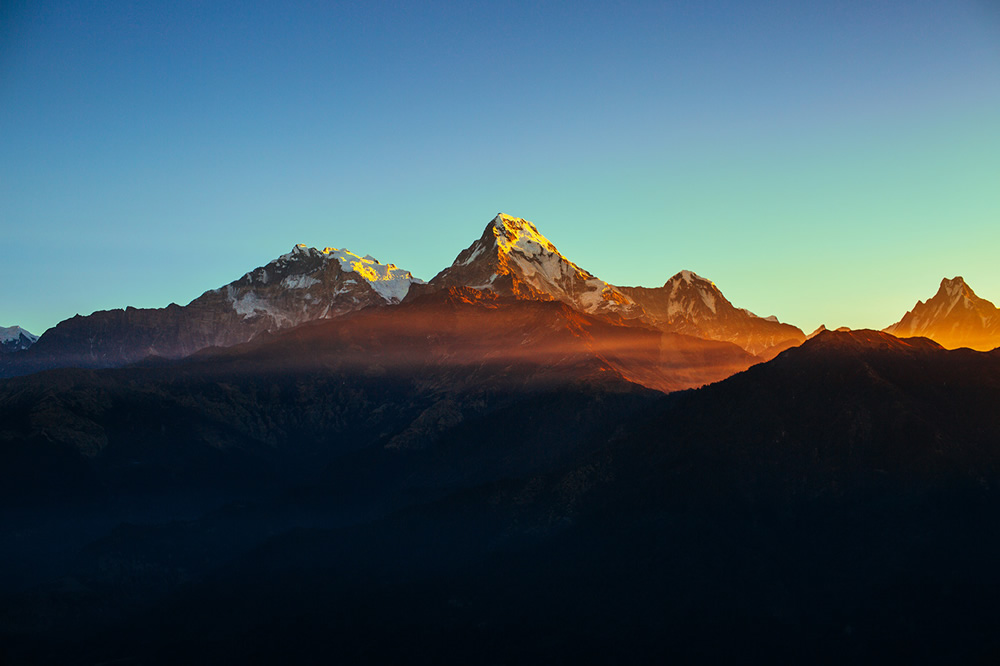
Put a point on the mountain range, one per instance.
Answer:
(303, 285)
(511, 258)
(514, 462)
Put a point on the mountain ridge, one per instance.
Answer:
(301, 285)
(513, 258)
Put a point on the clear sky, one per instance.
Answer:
(827, 162)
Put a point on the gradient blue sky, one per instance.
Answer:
(826, 162)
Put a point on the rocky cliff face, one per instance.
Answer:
(955, 317)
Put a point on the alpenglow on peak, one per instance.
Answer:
(955, 287)
(388, 280)
(515, 233)
(513, 258)
(954, 317)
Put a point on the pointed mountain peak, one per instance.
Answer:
(955, 317)
(513, 258)
(517, 234)
(690, 292)
(504, 221)
(688, 303)
(955, 288)
(690, 277)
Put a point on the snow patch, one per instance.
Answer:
(514, 233)
(708, 298)
(250, 305)
(299, 281)
(388, 280)
(689, 276)
(472, 257)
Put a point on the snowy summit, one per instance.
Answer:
(15, 338)
(513, 258)
(388, 280)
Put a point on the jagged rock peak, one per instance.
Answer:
(511, 234)
(687, 287)
(515, 233)
(955, 288)
(388, 280)
(954, 317)
(514, 259)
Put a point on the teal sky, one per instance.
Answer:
(823, 162)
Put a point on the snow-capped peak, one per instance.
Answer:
(15, 338)
(684, 285)
(513, 258)
(14, 333)
(515, 233)
(690, 277)
(388, 280)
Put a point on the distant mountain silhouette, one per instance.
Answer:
(822, 327)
